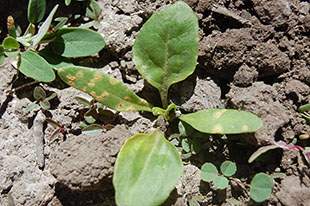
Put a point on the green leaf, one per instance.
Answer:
(92, 129)
(90, 116)
(1, 50)
(261, 187)
(30, 107)
(208, 172)
(39, 93)
(228, 168)
(61, 22)
(10, 43)
(304, 108)
(223, 121)
(54, 60)
(44, 27)
(36, 10)
(103, 88)
(93, 10)
(45, 104)
(12, 53)
(2, 57)
(11, 26)
(278, 175)
(261, 151)
(166, 49)
(220, 182)
(146, 170)
(77, 42)
(34, 66)
(186, 145)
(52, 96)
(67, 2)
(83, 101)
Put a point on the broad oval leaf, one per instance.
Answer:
(10, 43)
(223, 121)
(39, 93)
(261, 187)
(77, 42)
(103, 88)
(166, 49)
(228, 168)
(208, 172)
(44, 27)
(146, 170)
(220, 182)
(34, 66)
(36, 10)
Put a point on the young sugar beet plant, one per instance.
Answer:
(61, 44)
(165, 52)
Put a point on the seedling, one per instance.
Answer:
(59, 128)
(165, 52)
(209, 173)
(281, 145)
(41, 100)
(304, 111)
(62, 43)
(93, 114)
(261, 187)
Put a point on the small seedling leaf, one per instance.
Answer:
(45, 104)
(10, 43)
(146, 170)
(30, 107)
(72, 42)
(83, 101)
(185, 142)
(61, 22)
(2, 57)
(92, 129)
(104, 89)
(93, 10)
(278, 175)
(34, 66)
(261, 187)
(39, 93)
(223, 121)
(261, 151)
(208, 172)
(228, 168)
(166, 48)
(185, 129)
(36, 10)
(52, 96)
(11, 54)
(90, 116)
(67, 2)
(44, 27)
(304, 108)
(220, 182)
(1, 50)
(233, 201)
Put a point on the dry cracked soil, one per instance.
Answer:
(254, 55)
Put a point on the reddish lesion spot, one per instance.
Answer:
(104, 95)
(70, 77)
(71, 83)
(91, 83)
(98, 97)
(97, 77)
(93, 93)
(120, 105)
(79, 74)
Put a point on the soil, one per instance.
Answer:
(254, 55)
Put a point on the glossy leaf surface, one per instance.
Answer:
(166, 49)
(220, 182)
(261, 187)
(223, 121)
(103, 88)
(77, 42)
(34, 66)
(146, 170)
(36, 10)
